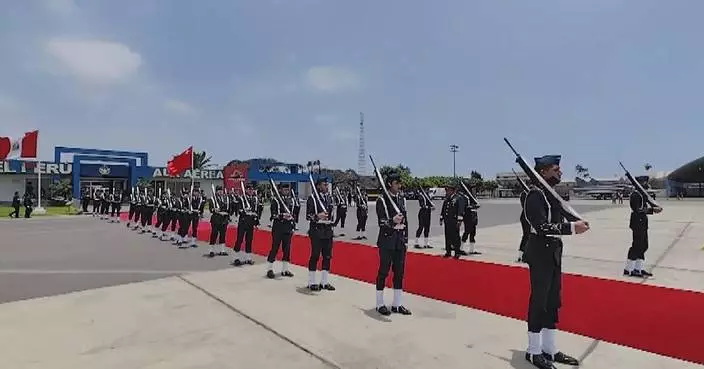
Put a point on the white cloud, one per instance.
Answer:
(179, 107)
(63, 7)
(95, 61)
(331, 79)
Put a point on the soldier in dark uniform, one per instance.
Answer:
(28, 203)
(115, 204)
(340, 210)
(525, 227)
(248, 212)
(174, 216)
(16, 203)
(426, 207)
(148, 208)
(362, 214)
(96, 201)
(451, 217)
(319, 214)
(544, 256)
(219, 218)
(139, 199)
(392, 242)
(85, 199)
(183, 213)
(131, 211)
(196, 213)
(162, 222)
(470, 220)
(296, 209)
(281, 230)
(105, 205)
(640, 209)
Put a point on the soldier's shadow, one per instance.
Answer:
(517, 359)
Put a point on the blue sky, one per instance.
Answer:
(597, 81)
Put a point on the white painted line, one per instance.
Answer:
(88, 271)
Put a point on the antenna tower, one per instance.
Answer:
(362, 155)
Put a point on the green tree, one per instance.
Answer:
(144, 182)
(60, 189)
(201, 160)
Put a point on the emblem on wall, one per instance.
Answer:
(104, 170)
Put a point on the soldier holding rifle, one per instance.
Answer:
(249, 212)
(392, 242)
(282, 228)
(549, 218)
(219, 218)
(319, 213)
(642, 205)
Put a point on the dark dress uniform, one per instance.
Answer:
(196, 213)
(638, 224)
(424, 213)
(115, 204)
(219, 218)
(132, 214)
(543, 252)
(321, 234)
(149, 206)
(525, 227)
(28, 204)
(16, 204)
(105, 200)
(362, 215)
(85, 200)
(96, 202)
(162, 214)
(281, 232)
(451, 216)
(392, 243)
(249, 211)
(470, 220)
(341, 211)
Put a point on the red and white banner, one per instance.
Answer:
(25, 147)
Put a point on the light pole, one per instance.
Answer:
(454, 149)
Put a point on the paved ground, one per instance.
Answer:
(191, 315)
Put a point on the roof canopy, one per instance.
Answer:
(692, 172)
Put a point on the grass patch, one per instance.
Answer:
(50, 211)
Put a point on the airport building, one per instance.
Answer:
(687, 180)
(122, 170)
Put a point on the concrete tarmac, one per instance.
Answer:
(194, 312)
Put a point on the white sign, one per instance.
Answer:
(195, 174)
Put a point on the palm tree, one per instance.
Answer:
(201, 160)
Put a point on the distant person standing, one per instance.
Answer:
(638, 224)
(16, 203)
(28, 204)
(424, 212)
(451, 217)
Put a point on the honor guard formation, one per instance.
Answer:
(545, 219)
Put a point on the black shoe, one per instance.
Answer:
(461, 252)
(270, 274)
(447, 255)
(211, 254)
(626, 273)
(400, 310)
(457, 255)
(561, 358)
(249, 262)
(539, 361)
(645, 274)
(286, 274)
(383, 310)
(314, 287)
(327, 286)
(417, 246)
(427, 247)
(364, 237)
(636, 273)
(237, 262)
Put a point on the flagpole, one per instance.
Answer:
(39, 209)
(192, 168)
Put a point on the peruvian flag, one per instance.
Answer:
(25, 147)
(179, 163)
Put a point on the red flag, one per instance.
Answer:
(26, 147)
(179, 163)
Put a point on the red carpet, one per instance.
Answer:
(655, 319)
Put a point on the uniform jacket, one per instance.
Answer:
(277, 213)
(313, 207)
(639, 211)
(219, 214)
(255, 206)
(424, 204)
(388, 236)
(453, 209)
(547, 222)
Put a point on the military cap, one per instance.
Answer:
(284, 185)
(249, 186)
(642, 178)
(321, 180)
(547, 160)
(218, 188)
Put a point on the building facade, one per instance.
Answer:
(122, 170)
